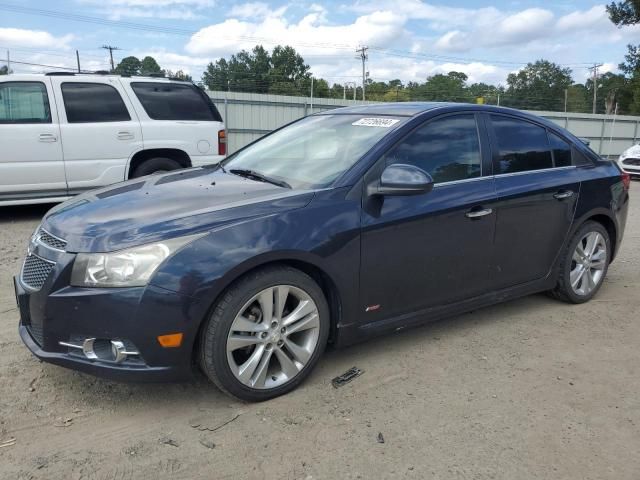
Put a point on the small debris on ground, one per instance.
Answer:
(169, 441)
(199, 426)
(63, 422)
(8, 443)
(208, 444)
(346, 377)
(380, 437)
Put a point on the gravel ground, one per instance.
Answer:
(532, 388)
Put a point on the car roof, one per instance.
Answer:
(410, 109)
(87, 76)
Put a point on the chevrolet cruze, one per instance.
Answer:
(343, 225)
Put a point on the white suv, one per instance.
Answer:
(62, 134)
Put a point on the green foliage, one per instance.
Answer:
(623, 13)
(179, 75)
(4, 70)
(149, 66)
(538, 86)
(128, 66)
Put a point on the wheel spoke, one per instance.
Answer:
(592, 242)
(576, 275)
(266, 305)
(289, 369)
(282, 292)
(299, 353)
(598, 259)
(240, 341)
(243, 324)
(304, 308)
(589, 280)
(310, 321)
(246, 370)
(260, 375)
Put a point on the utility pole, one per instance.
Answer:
(566, 96)
(312, 94)
(8, 63)
(78, 60)
(111, 49)
(595, 83)
(363, 56)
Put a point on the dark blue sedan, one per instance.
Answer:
(343, 225)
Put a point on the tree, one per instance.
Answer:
(4, 70)
(149, 66)
(440, 87)
(128, 66)
(623, 13)
(133, 66)
(179, 75)
(538, 86)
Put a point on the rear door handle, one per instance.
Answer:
(563, 194)
(48, 137)
(125, 136)
(479, 213)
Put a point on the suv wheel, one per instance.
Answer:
(584, 265)
(265, 334)
(155, 165)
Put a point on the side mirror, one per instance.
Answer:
(401, 179)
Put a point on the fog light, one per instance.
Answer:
(102, 349)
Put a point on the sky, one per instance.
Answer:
(407, 39)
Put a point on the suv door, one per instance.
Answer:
(99, 128)
(31, 163)
(537, 194)
(433, 249)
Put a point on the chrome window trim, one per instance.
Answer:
(475, 179)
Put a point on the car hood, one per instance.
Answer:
(158, 207)
(631, 152)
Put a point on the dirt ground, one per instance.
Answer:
(528, 389)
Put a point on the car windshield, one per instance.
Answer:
(313, 152)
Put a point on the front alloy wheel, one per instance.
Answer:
(265, 334)
(273, 337)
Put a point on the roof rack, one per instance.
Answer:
(59, 74)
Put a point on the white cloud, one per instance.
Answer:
(33, 39)
(310, 35)
(161, 9)
(255, 10)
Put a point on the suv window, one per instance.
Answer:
(561, 151)
(93, 103)
(24, 102)
(522, 146)
(174, 101)
(447, 148)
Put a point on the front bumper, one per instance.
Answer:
(136, 316)
(631, 169)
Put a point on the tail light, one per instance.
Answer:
(222, 142)
(626, 180)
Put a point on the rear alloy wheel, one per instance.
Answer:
(585, 264)
(155, 166)
(266, 334)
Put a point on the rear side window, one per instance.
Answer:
(174, 101)
(93, 103)
(24, 102)
(522, 146)
(447, 148)
(561, 151)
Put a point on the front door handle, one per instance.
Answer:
(125, 136)
(48, 137)
(561, 195)
(479, 213)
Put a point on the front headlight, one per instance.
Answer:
(125, 268)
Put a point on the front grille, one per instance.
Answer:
(36, 333)
(35, 271)
(51, 241)
(632, 161)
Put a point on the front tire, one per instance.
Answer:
(265, 334)
(584, 265)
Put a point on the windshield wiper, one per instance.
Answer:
(259, 176)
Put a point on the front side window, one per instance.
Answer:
(93, 103)
(447, 148)
(315, 151)
(522, 146)
(24, 102)
(174, 101)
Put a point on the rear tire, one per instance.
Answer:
(584, 264)
(266, 333)
(155, 165)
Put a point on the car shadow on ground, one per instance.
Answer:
(198, 390)
(24, 212)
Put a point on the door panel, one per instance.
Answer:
(31, 162)
(424, 251)
(532, 223)
(99, 128)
